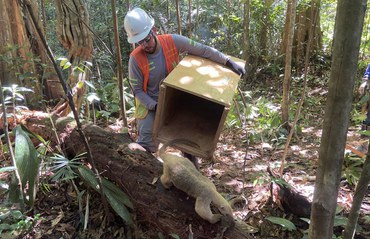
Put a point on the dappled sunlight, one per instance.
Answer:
(295, 148)
(306, 190)
(313, 131)
(307, 152)
(345, 200)
(186, 80)
(266, 146)
(192, 62)
(209, 71)
(204, 78)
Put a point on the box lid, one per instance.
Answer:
(205, 78)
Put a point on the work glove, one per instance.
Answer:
(363, 86)
(235, 67)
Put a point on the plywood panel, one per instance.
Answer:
(205, 78)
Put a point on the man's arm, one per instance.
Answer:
(192, 47)
(137, 80)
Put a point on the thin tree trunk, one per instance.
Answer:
(264, 29)
(119, 65)
(288, 61)
(178, 17)
(43, 15)
(196, 24)
(313, 19)
(360, 192)
(347, 35)
(246, 40)
(189, 18)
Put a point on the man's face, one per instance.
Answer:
(149, 43)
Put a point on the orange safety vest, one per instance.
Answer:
(171, 56)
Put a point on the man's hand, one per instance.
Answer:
(235, 67)
(363, 86)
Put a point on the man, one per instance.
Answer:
(150, 63)
(362, 90)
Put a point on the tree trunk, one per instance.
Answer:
(15, 47)
(358, 197)
(119, 65)
(246, 40)
(304, 23)
(43, 15)
(52, 88)
(288, 61)
(264, 28)
(178, 17)
(347, 35)
(74, 34)
(189, 19)
(5, 40)
(135, 172)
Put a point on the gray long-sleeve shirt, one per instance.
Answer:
(158, 70)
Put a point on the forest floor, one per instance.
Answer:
(239, 170)
(235, 174)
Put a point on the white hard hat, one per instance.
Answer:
(137, 24)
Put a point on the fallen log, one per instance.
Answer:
(135, 172)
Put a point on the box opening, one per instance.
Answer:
(188, 116)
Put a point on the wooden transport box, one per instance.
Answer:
(193, 103)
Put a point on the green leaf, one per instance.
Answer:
(16, 214)
(92, 97)
(62, 58)
(7, 169)
(79, 69)
(4, 226)
(88, 63)
(80, 84)
(364, 132)
(34, 135)
(90, 84)
(89, 177)
(111, 195)
(174, 236)
(27, 163)
(67, 65)
(282, 222)
(340, 221)
(305, 220)
(63, 61)
(4, 213)
(117, 192)
(119, 208)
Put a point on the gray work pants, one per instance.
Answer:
(145, 130)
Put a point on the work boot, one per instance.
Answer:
(192, 158)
